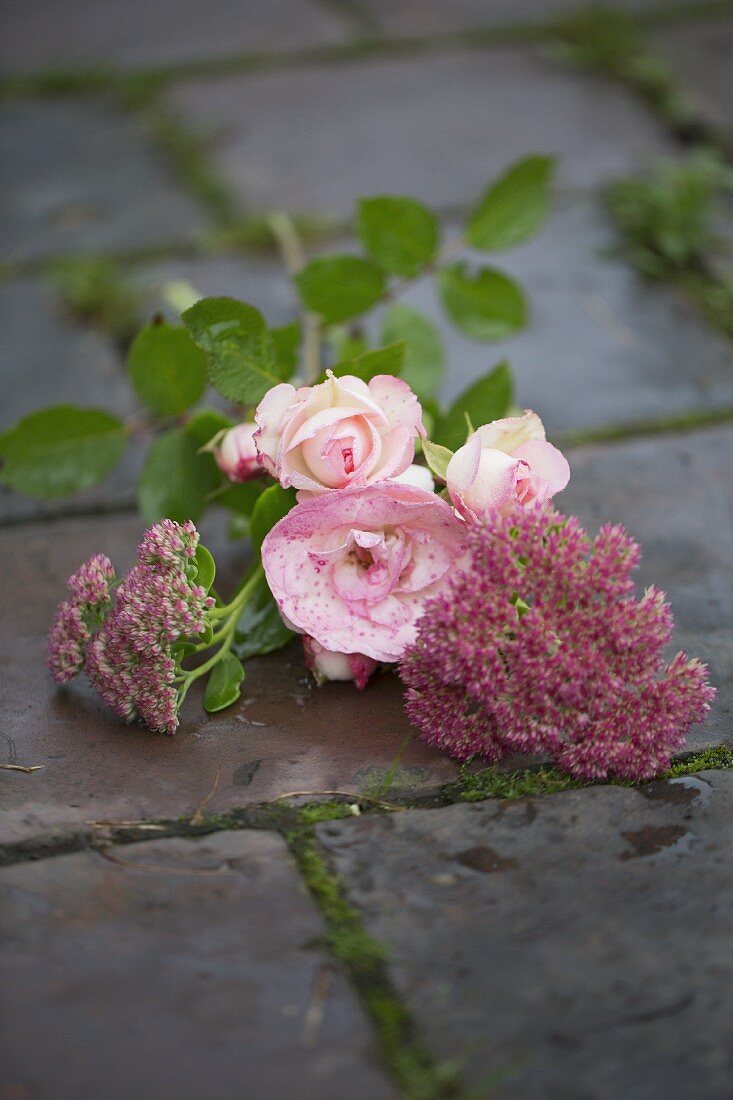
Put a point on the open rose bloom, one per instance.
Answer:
(503, 462)
(343, 433)
(352, 569)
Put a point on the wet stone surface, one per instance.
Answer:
(673, 495)
(602, 346)
(317, 138)
(86, 33)
(577, 945)
(283, 735)
(200, 976)
(80, 176)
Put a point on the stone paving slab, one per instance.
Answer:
(80, 176)
(199, 978)
(699, 55)
(672, 493)
(438, 127)
(602, 346)
(579, 943)
(50, 360)
(89, 34)
(284, 735)
(436, 16)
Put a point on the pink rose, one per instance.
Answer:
(236, 454)
(341, 433)
(325, 665)
(353, 569)
(503, 461)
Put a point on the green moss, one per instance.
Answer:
(187, 154)
(96, 290)
(418, 1077)
(691, 420)
(610, 42)
(524, 783)
(533, 782)
(719, 758)
(666, 217)
(314, 812)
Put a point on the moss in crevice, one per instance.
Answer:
(675, 424)
(97, 291)
(604, 40)
(187, 155)
(492, 782)
(417, 1076)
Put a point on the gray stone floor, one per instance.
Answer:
(560, 947)
(579, 942)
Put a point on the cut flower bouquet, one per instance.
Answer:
(385, 530)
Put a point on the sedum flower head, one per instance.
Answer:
(88, 605)
(541, 646)
(129, 660)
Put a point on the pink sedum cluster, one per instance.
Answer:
(342, 433)
(71, 629)
(129, 660)
(540, 646)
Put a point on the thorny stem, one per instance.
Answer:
(294, 258)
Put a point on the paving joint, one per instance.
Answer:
(533, 781)
(53, 82)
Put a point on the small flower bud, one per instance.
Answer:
(326, 665)
(236, 453)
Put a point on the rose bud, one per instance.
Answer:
(505, 461)
(236, 453)
(325, 665)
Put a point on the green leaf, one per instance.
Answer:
(424, 355)
(260, 628)
(371, 363)
(167, 370)
(400, 233)
(60, 450)
(287, 342)
(206, 567)
(487, 305)
(205, 424)
(224, 684)
(339, 287)
(270, 508)
(176, 480)
(486, 400)
(241, 354)
(241, 498)
(513, 207)
(437, 457)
